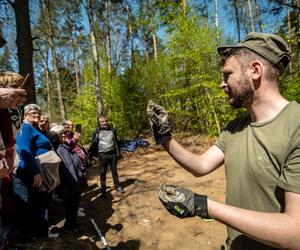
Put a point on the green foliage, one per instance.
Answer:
(83, 112)
(194, 97)
(185, 79)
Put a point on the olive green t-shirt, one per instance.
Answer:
(261, 161)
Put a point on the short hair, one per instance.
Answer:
(46, 116)
(67, 122)
(31, 107)
(103, 116)
(56, 130)
(245, 56)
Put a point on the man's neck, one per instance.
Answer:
(266, 106)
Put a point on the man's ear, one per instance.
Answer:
(256, 69)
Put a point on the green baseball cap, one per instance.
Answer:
(272, 47)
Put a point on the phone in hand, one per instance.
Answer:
(78, 128)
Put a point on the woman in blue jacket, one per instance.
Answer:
(31, 202)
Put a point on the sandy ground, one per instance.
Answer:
(136, 219)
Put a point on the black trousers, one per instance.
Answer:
(71, 207)
(105, 160)
(31, 216)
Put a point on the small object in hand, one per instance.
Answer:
(183, 202)
(9, 79)
(159, 122)
(158, 118)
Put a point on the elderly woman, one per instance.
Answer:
(71, 178)
(31, 202)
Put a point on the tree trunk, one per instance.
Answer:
(288, 18)
(251, 16)
(104, 48)
(75, 63)
(108, 38)
(117, 31)
(130, 34)
(216, 18)
(184, 6)
(154, 46)
(206, 13)
(96, 64)
(24, 45)
(257, 9)
(48, 91)
(237, 18)
(245, 23)
(54, 60)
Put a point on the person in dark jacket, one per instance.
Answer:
(104, 145)
(71, 176)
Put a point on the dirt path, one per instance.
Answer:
(136, 219)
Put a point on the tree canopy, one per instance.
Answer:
(91, 56)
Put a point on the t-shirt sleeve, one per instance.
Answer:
(221, 141)
(290, 175)
(233, 127)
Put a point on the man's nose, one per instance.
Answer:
(222, 84)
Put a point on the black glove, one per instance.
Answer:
(159, 122)
(183, 202)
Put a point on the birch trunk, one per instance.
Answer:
(216, 18)
(154, 46)
(109, 66)
(96, 64)
(250, 15)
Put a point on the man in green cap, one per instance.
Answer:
(260, 151)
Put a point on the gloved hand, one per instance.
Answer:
(159, 122)
(9, 79)
(183, 202)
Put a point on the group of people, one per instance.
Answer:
(35, 138)
(260, 151)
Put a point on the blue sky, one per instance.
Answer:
(226, 23)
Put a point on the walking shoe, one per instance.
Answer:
(53, 235)
(120, 189)
(80, 213)
(53, 232)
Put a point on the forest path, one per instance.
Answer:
(136, 219)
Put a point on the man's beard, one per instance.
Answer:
(244, 94)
